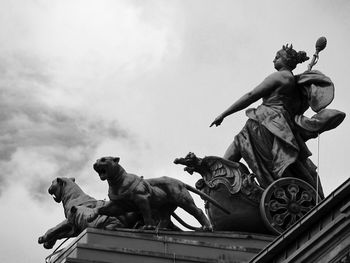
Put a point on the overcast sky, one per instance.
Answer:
(141, 80)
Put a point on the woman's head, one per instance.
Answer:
(289, 57)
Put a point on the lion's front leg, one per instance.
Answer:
(64, 229)
(109, 209)
(94, 214)
(143, 204)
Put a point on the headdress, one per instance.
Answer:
(292, 57)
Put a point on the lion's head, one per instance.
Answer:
(57, 185)
(107, 167)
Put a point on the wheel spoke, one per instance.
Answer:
(274, 205)
(305, 197)
(305, 208)
(300, 215)
(293, 190)
(280, 193)
(292, 220)
(279, 218)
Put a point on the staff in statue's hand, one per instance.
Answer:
(320, 45)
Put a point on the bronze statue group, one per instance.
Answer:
(280, 187)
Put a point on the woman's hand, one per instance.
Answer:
(218, 120)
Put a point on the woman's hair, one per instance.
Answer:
(292, 57)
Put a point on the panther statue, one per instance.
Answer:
(77, 207)
(154, 198)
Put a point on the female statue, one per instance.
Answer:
(270, 142)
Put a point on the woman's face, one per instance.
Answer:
(278, 61)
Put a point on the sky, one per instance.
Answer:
(141, 80)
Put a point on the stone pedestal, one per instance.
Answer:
(127, 245)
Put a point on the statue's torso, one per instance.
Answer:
(285, 95)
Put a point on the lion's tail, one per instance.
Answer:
(207, 197)
(178, 219)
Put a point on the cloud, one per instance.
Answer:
(39, 141)
(69, 77)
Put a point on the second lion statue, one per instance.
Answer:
(155, 198)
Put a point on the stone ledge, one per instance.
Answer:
(86, 251)
(130, 245)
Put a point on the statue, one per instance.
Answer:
(77, 207)
(155, 198)
(284, 184)
(272, 142)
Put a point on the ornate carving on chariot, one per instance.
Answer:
(252, 208)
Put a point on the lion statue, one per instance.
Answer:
(153, 198)
(77, 207)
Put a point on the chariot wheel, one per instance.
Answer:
(285, 201)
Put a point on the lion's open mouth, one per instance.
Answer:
(57, 199)
(101, 170)
(55, 195)
(103, 175)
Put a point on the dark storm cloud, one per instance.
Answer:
(64, 137)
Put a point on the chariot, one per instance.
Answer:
(252, 208)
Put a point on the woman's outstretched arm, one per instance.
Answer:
(263, 89)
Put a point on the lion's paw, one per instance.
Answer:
(41, 240)
(207, 228)
(149, 227)
(49, 245)
(92, 216)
